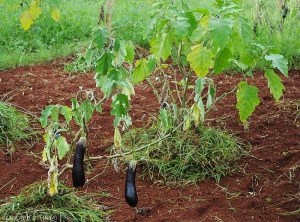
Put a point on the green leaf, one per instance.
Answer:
(62, 147)
(140, 72)
(210, 96)
(222, 60)
(200, 82)
(67, 113)
(120, 105)
(181, 28)
(104, 63)
(274, 83)
(104, 84)
(192, 21)
(87, 109)
(279, 62)
(149, 26)
(220, 31)
(151, 63)
(129, 52)
(246, 30)
(100, 37)
(161, 45)
(88, 56)
(166, 46)
(200, 60)
(165, 118)
(45, 114)
(247, 100)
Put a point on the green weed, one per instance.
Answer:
(34, 204)
(14, 126)
(190, 156)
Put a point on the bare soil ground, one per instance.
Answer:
(266, 186)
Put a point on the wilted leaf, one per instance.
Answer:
(165, 118)
(274, 83)
(187, 123)
(279, 62)
(117, 140)
(52, 176)
(196, 114)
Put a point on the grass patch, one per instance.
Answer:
(190, 156)
(14, 126)
(46, 39)
(34, 204)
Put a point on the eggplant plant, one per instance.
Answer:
(204, 41)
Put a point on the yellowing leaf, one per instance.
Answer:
(44, 155)
(196, 114)
(187, 124)
(55, 14)
(26, 20)
(204, 22)
(200, 60)
(117, 140)
(35, 11)
(52, 177)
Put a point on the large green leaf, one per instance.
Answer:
(129, 52)
(161, 45)
(274, 83)
(67, 113)
(104, 63)
(279, 62)
(221, 60)
(45, 114)
(181, 28)
(62, 147)
(200, 60)
(100, 37)
(247, 100)
(87, 109)
(220, 31)
(192, 21)
(120, 105)
(140, 72)
(166, 45)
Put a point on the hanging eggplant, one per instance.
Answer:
(130, 189)
(78, 176)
